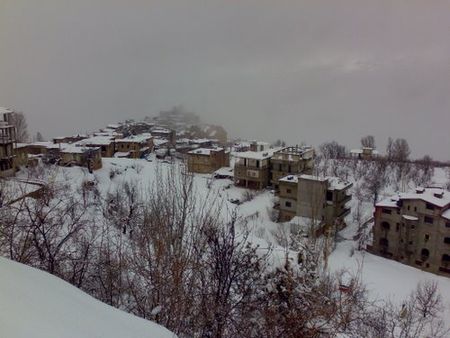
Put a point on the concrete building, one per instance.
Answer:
(134, 146)
(291, 161)
(207, 160)
(414, 228)
(365, 153)
(105, 143)
(88, 157)
(252, 168)
(323, 200)
(7, 145)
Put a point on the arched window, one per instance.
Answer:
(425, 253)
(385, 225)
(384, 242)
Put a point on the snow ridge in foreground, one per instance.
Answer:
(36, 304)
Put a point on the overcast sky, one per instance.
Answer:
(304, 71)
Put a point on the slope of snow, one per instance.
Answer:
(39, 305)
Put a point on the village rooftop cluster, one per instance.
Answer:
(412, 228)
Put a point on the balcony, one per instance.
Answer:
(344, 212)
(346, 199)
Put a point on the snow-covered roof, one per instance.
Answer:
(205, 151)
(159, 141)
(135, 138)
(225, 171)
(96, 140)
(289, 179)
(257, 155)
(314, 178)
(435, 196)
(4, 110)
(73, 149)
(446, 214)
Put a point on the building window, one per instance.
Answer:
(386, 211)
(288, 204)
(447, 240)
(447, 225)
(415, 208)
(329, 196)
(430, 206)
(410, 242)
(427, 237)
(288, 191)
(409, 207)
(385, 225)
(425, 253)
(446, 258)
(428, 219)
(397, 227)
(384, 242)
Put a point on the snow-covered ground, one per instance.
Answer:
(36, 304)
(384, 278)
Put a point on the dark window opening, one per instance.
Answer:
(384, 242)
(386, 211)
(288, 204)
(329, 196)
(430, 206)
(385, 225)
(428, 219)
(447, 240)
(425, 253)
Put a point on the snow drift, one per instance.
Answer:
(36, 304)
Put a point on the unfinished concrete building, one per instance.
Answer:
(322, 200)
(291, 161)
(252, 169)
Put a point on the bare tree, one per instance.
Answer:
(368, 141)
(332, 150)
(19, 121)
(39, 137)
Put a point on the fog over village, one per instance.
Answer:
(224, 169)
(309, 70)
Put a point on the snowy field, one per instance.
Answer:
(36, 304)
(384, 278)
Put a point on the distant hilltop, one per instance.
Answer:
(188, 125)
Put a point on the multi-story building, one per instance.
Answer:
(7, 145)
(414, 228)
(134, 146)
(322, 200)
(252, 169)
(207, 160)
(291, 161)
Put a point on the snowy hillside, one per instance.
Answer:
(36, 304)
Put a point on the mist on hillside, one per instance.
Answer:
(304, 71)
